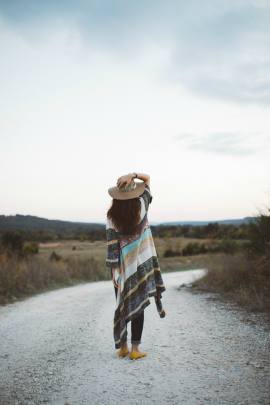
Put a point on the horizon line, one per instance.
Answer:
(152, 222)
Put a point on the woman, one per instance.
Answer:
(132, 259)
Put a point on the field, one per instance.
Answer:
(82, 251)
(68, 262)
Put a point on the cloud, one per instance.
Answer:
(224, 143)
(217, 49)
(225, 54)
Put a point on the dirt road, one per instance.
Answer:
(58, 348)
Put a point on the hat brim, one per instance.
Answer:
(118, 194)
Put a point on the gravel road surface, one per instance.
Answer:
(58, 348)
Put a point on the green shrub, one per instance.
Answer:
(30, 248)
(194, 248)
(226, 246)
(12, 243)
(259, 233)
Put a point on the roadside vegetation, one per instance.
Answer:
(243, 276)
(27, 268)
(236, 258)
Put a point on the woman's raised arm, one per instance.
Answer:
(126, 179)
(144, 177)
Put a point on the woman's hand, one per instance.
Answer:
(113, 279)
(128, 178)
(124, 180)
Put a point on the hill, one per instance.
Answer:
(34, 223)
(238, 221)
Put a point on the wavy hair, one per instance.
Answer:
(125, 215)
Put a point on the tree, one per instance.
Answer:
(260, 234)
(12, 242)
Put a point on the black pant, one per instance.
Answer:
(136, 325)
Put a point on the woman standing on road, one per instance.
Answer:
(132, 259)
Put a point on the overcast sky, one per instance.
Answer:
(91, 90)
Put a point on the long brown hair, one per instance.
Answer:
(125, 215)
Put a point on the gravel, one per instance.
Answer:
(58, 348)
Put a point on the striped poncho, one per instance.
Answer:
(137, 270)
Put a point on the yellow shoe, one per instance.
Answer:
(134, 355)
(123, 352)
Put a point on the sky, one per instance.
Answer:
(92, 90)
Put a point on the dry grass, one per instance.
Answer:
(24, 277)
(234, 277)
(177, 243)
(79, 262)
(239, 279)
(97, 250)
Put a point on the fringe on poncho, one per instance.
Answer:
(137, 270)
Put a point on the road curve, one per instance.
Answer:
(58, 348)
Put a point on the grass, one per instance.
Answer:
(24, 277)
(233, 276)
(97, 251)
(238, 278)
(78, 262)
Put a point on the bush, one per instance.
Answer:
(30, 249)
(226, 246)
(194, 248)
(12, 243)
(259, 232)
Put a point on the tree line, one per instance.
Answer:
(210, 231)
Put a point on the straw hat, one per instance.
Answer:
(133, 190)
